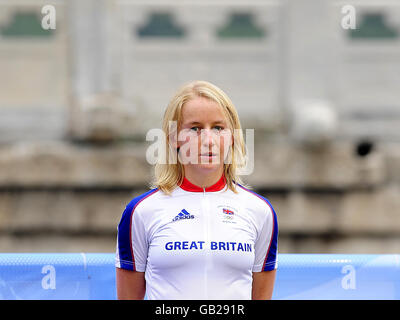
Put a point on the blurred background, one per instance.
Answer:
(81, 83)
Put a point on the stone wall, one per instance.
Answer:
(66, 197)
(76, 103)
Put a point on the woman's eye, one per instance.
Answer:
(198, 129)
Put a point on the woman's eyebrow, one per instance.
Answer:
(196, 122)
(193, 122)
(219, 121)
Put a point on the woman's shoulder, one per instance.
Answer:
(143, 199)
(255, 200)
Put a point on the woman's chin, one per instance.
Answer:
(207, 166)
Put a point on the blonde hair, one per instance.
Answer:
(167, 176)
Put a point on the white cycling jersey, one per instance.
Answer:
(198, 243)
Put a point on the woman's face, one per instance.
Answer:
(204, 136)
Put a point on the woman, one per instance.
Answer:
(198, 233)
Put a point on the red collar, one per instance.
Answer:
(188, 186)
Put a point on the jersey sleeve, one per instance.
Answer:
(266, 246)
(132, 244)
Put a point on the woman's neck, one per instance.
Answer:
(203, 180)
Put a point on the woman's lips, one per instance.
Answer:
(208, 157)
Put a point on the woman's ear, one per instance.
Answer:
(232, 138)
(173, 135)
(173, 141)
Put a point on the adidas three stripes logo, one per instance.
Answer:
(183, 215)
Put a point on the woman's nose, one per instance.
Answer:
(207, 136)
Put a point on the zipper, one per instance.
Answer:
(206, 210)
